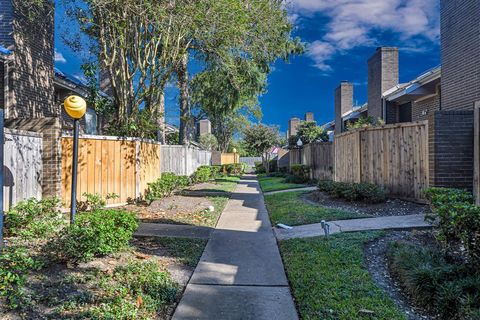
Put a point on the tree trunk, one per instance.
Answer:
(160, 113)
(185, 129)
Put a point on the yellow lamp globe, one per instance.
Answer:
(234, 150)
(75, 107)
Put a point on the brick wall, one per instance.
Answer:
(309, 117)
(382, 75)
(31, 104)
(392, 112)
(343, 103)
(451, 149)
(460, 51)
(422, 109)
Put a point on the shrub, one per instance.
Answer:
(235, 169)
(458, 220)
(34, 218)
(203, 174)
(366, 192)
(300, 172)
(166, 185)
(259, 168)
(94, 234)
(94, 201)
(15, 263)
(447, 289)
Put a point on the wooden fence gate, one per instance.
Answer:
(392, 156)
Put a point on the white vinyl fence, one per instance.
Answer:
(22, 166)
(183, 160)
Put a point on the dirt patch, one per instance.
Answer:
(377, 264)
(392, 207)
(176, 209)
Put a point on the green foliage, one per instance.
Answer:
(94, 201)
(166, 185)
(137, 290)
(330, 282)
(459, 220)
(277, 181)
(450, 290)
(208, 141)
(203, 174)
(259, 167)
(260, 139)
(172, 138)
(300, 173)
(364, 122)
(235, 169)
(142, 124)
(366, 192)
(15, 264)
(94, 234)
(34, 218)
(308, 132)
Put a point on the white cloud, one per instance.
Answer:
(59, 57)
(356, 23)
(320, 52)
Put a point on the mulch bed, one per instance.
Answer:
(392, 207)
(377, 264)
(175, 209)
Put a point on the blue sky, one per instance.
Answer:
(340, 35)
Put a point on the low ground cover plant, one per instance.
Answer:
(450, 290)
(367, 192)
(203, 174)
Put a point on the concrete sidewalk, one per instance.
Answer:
(380, 223)
(240, 274)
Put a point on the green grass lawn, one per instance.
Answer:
(329, 281)
(276, 184)
(289, 209)
(222, 184)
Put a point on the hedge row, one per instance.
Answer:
(366, 192)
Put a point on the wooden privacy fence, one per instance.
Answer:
(106, 165)
(22, 166)
(219, 158)
(295, 156)
(184, 160)
(250, 161)
(319, 156)
(392, 156)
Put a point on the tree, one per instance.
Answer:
(238, 35)
(138, 44)
(208, 141)
(308, 132)
(260, 139)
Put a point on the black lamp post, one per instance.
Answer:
(75, 108)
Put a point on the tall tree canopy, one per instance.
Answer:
(141, 44)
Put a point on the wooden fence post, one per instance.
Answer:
(476, 152)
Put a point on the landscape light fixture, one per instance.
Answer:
(299, 143)
(75, 107)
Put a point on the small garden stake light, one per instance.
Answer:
(75, 108)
